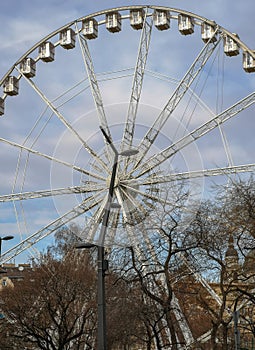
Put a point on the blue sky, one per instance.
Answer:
(23, 23)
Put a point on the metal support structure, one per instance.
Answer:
(48, 193)
(67, 124)
(160, 179)
(47, 230)
(47, 156)
(196, 134)
(95, 89)
(176, 97)
(137, 82)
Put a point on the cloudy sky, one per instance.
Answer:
(24, 23)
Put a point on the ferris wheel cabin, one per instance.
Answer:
(161, 19)
(47, 52)
(67, 38)
(248, 62)
(231, 48)
(208, 32)
(113, 22)
(28, 67)
(90, 28)
(136, 18)
(185, 24)
(11, 86)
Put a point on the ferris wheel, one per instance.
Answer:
(167, 82)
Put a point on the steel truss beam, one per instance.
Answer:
(137, 82)
(196, 134)
(152, 180)
(50, 228)
(95, 88)
(176, 97)
(48, 193)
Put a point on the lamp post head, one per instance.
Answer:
(6, 238)
(85, 245)
(115, 205)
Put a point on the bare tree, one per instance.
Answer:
(157, 263)
(188, 270)
(53, 307)
(226, 228)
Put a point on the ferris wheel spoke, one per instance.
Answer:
(50, 193)
(147, 247)
(47, 230)
(234, 169)
(132, 203)
(132, 238)
(153, 180)
(176, 97)
(88, 234)
(137, 82)
(46, 156)
(196, 134)
(147, 195)
(95, 88)
(65, 122)
(138, 209)
(114, 218)
(122, 204)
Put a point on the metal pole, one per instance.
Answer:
(236, 330)
(102, 338)
(102, 263)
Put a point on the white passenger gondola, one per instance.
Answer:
(208, 32)
(231, 48)
(47, 52)
(90, 28)
(185, 24)
(136, 18)
(11, 86)
(113, 22)
(248, 62)
(67, 38)
(161, 19)
(28, 67)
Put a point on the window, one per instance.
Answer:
(4, 282)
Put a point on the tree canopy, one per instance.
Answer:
(181, 284)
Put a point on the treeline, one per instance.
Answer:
(182, 281)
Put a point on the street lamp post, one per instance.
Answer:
(102, 263)
(102, 343)
(5, 238)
